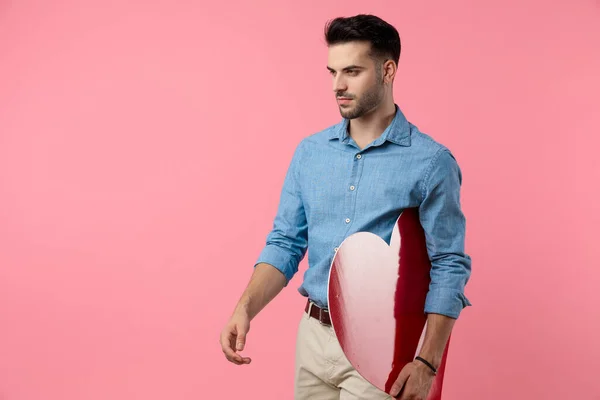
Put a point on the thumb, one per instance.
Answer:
(241, 338)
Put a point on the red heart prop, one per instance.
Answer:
(376, 298)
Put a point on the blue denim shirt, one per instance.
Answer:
(333, 189)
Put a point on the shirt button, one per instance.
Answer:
(358, 156)
(347, 220)
(336, 249)
(352, 187)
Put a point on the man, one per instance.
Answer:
(357, 176)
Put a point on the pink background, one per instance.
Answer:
(143, 146)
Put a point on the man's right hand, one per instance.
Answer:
(233, 338)
(266, 282)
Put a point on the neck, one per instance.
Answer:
(371, 125)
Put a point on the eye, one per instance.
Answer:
(352, 72)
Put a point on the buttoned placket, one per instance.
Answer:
(352, 186)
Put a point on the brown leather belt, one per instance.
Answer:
(320, 314)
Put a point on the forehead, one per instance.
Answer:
(351, 53)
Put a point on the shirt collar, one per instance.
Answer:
(397, 132)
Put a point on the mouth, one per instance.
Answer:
(343, 100)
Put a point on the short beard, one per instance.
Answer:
(370, 100)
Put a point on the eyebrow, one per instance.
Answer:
(349, 67)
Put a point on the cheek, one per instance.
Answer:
(362, 86)
(357, 86)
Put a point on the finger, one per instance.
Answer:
(408, 391)
(238, 347)
(241, 340)
(229, 352)
(400, 383)
(235, 358)
(235, 361)
(246, 360)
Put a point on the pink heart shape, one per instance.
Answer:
(376, 298)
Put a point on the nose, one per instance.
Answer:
(339, 84)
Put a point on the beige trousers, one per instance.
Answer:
(322, 370)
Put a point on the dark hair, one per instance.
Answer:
(383, 37)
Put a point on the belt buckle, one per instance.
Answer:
(320, 319)
(321, 316)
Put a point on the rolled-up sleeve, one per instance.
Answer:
(287, 242)
(444, 224)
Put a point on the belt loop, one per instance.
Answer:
(310, 304)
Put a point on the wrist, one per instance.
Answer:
(425, 365)
(431, 359)
(242, 309)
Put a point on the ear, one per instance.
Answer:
(389, 71)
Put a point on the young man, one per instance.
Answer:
(357, 176)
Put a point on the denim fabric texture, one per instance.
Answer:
(333, 189)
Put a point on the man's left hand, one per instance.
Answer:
(415, 381)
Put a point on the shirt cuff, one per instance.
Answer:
(448, 302)
(280, 259)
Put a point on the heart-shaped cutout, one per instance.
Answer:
(376, 298)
